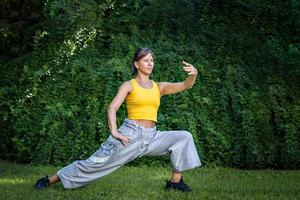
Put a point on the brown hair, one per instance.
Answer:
(139, 54)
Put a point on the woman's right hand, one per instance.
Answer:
(123, 139)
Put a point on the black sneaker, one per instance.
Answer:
(42, 183)
(181, 186)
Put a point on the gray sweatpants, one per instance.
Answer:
(112, 154)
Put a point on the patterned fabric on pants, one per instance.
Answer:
(112, 154)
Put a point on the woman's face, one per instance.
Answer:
(145, 64)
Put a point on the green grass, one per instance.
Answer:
(16, 182)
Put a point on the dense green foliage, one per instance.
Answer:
(63, 64)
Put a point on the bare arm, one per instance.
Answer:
(115, 104)
(172, 88)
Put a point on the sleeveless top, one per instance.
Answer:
(143, 103)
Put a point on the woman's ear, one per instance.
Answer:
(136, 64)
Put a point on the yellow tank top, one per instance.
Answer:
(143, 103)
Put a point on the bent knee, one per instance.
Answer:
(187, 135)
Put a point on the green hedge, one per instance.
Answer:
(243, 110)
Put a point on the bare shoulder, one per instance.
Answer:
(126, 86)
(161, 85)
(170, 88)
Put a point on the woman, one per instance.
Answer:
(137, 136)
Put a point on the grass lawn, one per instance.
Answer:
(16, 182)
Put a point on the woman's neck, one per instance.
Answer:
(142, 78)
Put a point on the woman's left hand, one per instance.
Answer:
(189, 68)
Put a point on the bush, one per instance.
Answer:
(243, 110)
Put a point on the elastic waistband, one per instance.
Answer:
(133, 124)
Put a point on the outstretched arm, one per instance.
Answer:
(172, 88)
